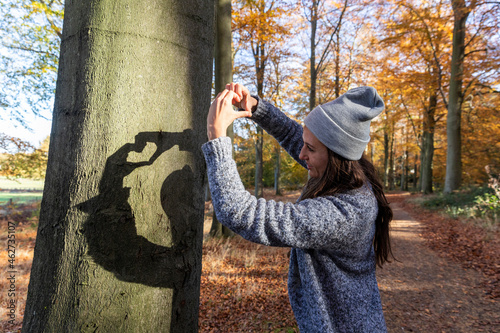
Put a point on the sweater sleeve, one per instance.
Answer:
(285, 130)
(336, 222)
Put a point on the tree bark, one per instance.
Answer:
(312, 58)
(277, 170)
(386, 158)
(453, 176)
(391, 161)
(404, 171)
(260, 61)
(119, 240)
(415, 173)
(337, 63)
(259, 165)
(260, 66)
(223, 75)
(429, 125)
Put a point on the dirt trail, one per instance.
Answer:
(423, 292)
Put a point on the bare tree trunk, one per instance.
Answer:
(260, 66)
(391, 161)
(453, 177)
(119, 240)
(386, 159)
(404, 172)
(415, 174)
(260, 61)
(426, 167)
(407, 170)
(277, 171)
(317, 66)
(428, 145)
(259, 168)
(223, 75)
(337, 64)
(312, 57)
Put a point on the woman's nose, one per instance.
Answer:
(302, 154)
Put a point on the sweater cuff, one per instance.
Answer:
(217, 149)
(261, 112)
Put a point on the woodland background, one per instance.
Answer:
(299, 54)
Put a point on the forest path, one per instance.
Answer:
(423, 292)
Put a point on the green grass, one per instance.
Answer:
(479, 205)
(460, 199)
(21, 191)
(20, 197)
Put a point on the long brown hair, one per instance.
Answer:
(342, 175)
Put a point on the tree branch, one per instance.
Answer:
(51, 22)
(13, 47)
(337, 28)
(434, 53)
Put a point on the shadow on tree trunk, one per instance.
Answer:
(111, 232)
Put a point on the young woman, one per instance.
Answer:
(339, 228)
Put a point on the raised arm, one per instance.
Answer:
(285, 130)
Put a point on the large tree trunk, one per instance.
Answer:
(120, 234)
(223, 75)
(453, 177)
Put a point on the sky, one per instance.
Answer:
(40, 129)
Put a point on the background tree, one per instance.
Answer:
(278, 80)
(21, 159)
(258, 26)
(120, 232)
(328, 36)
(223, 75)
(30, 32)
(453, 178)
(415, 37)
(454, 157)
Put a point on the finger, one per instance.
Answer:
(243, 114)
(237, 98)
(223, 95)
(216, 98)
(236, 87)
(241, 89)
(225, 99)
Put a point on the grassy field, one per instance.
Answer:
(19, 197)
(21, 191)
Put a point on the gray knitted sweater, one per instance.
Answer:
(331, 280)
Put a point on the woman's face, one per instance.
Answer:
(314, 153)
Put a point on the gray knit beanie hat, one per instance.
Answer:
(343, 125)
